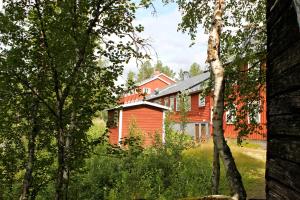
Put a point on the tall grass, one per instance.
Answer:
(178, 169)
(171, 171)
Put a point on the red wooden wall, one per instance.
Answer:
(231, 133)
(149, 121)
(157, 83)
(197, 114)
(113, 131)
(203, 114)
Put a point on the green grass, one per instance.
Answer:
(251, 169)
(162, 172)
(97, 129)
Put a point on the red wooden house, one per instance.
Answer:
(199, 123)
(146, 87)
(147, 117)
(149, 113)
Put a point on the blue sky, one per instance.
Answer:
(171, 47)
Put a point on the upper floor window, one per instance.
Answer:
(230, 116)
(166, 101)
(157, 101)
(172, 102)
(183, 102)
(177, 103)
(146, 90)
(189, 103)
(201, 100)
(254, 114)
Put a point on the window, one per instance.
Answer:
(230, 116)
(166, 101)
(146, 90)
(157, 101)
(177, 103)
(201, 100)
(113, 118)
(172, 102)
(183, 102)
(254, 116)
(189, 103)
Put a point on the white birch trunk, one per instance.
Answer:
(217, 69)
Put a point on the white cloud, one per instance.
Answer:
(172, 47)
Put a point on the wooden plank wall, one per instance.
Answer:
(283, 99)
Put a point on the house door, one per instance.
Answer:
(197, 133)
(203, 132)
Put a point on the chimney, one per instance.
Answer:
(186, 75)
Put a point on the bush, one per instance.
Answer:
(158, 172)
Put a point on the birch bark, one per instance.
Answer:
(217, 69)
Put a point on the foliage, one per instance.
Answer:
(184, 108)
(164, 69)
(171, 171)
(130, 79)
(59, 62)
(195, 69)
(243, 42)
(147, 70)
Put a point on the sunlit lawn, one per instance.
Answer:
(251, 169)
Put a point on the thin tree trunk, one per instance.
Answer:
(216, 170)
(66, 173)
(27, 182)
(61, 176)
(213, 59)
(67, 155)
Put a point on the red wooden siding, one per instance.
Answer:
(197, 114)
(203, 114)
(157, 83)
(113, 131)
(152, 85)
(231, 133)
(165, 78)
(149, 121)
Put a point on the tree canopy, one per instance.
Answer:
(195, 69)
(237, 38)
(53, 79)
(147, 70)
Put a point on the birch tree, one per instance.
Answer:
(236, 34)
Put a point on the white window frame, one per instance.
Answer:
(177, 103)
(201, 100)
(166, 101)
(232, 118)
(258, 114)
(189, 99)
(172, 102)
(146, 90)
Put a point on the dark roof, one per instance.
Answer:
(192, 85)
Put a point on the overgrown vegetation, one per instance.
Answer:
(175, 170)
